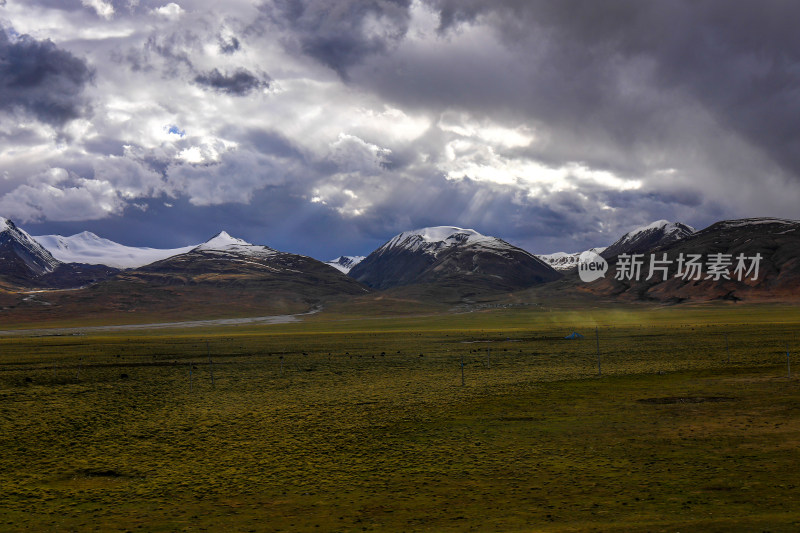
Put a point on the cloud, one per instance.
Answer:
(40, 79)
(622, 65)
(233, 179)
(171, 11)
(229, 45)
(131, 179)
(103, 9)
(239, 83)
(552, 124)
(341, 34)
(63, 196)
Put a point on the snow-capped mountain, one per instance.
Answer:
(564, 261)
(435, 239)
(222, 241)
(774, 242)
(227, 262)
(222, 245)
(25, 263)
(21, 254)
(345, 263)
(88, 248)
(451, 255)
(642, 239)
(654, 235)
(221, 249)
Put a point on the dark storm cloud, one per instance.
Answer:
(229, 46)
(272, 143)
(106, 146)
(341, 34)
(175, 48)
(65, 5)
(40, 79)
(627, 112)
(239, 83)
(738, 60)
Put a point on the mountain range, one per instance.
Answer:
(445, 264)
(768, 246)
(88, 248)
(642, 239)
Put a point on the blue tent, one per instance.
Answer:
(574, 335)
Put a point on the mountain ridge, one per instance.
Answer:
(345, 263)
(89, 248)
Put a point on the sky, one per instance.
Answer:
(325, 127)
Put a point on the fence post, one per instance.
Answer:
(727, 349)
(210, 365)
(597, 338)
(788, 367)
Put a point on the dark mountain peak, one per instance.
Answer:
(643, 239)
(21, 256)
(454, 256)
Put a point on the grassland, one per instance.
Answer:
(347, 423)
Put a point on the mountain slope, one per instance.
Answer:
(461, 259)
(21, 257)
(88, 248)
(658, 233)
(345, 263)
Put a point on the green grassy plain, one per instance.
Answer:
(351, 423)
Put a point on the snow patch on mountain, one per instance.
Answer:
(223, 243)
(345, 263)
(669, 228)
(564, 261)
(438, 238)
(88, 248)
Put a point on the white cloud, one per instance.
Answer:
(130, 178)
(352, 154)
(234, 179)
(494, 134)
(171, 11)
(103, 9)
(61, 199)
